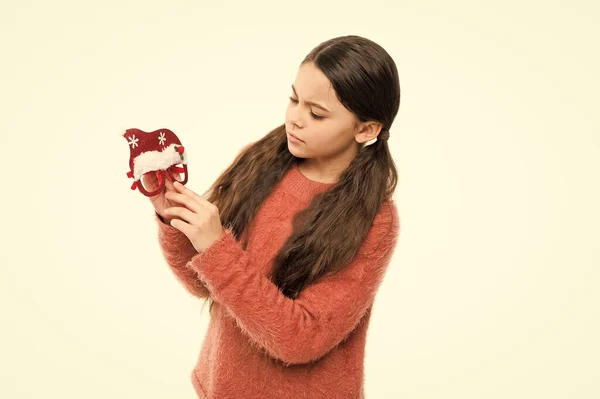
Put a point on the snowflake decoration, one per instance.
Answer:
(133, 141)
(162, 138)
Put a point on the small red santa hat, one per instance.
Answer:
(152, 151)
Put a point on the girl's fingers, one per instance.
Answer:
(150, 181)
(197, 199)
(184, 200)
(182, 226)
(182, 213)
(169, 184)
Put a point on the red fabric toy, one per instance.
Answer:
(160, 152)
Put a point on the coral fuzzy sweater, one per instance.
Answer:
(261, 344)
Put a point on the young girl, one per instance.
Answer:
(292, 241)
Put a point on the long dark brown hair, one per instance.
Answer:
(329, 233)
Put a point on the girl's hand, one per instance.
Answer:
(159, 201)
(198, 219)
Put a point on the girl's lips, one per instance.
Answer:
(296, 137)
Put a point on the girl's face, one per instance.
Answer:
(316, 116)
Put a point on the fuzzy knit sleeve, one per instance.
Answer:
(304, 329)
(177, 251)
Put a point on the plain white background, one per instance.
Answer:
(493, 289)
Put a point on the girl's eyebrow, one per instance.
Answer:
(311, 102)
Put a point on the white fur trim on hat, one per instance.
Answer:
(157, 160)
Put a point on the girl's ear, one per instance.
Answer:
(368, 131)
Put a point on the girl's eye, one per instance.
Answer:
(318, 117)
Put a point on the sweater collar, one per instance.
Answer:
(301, 187)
